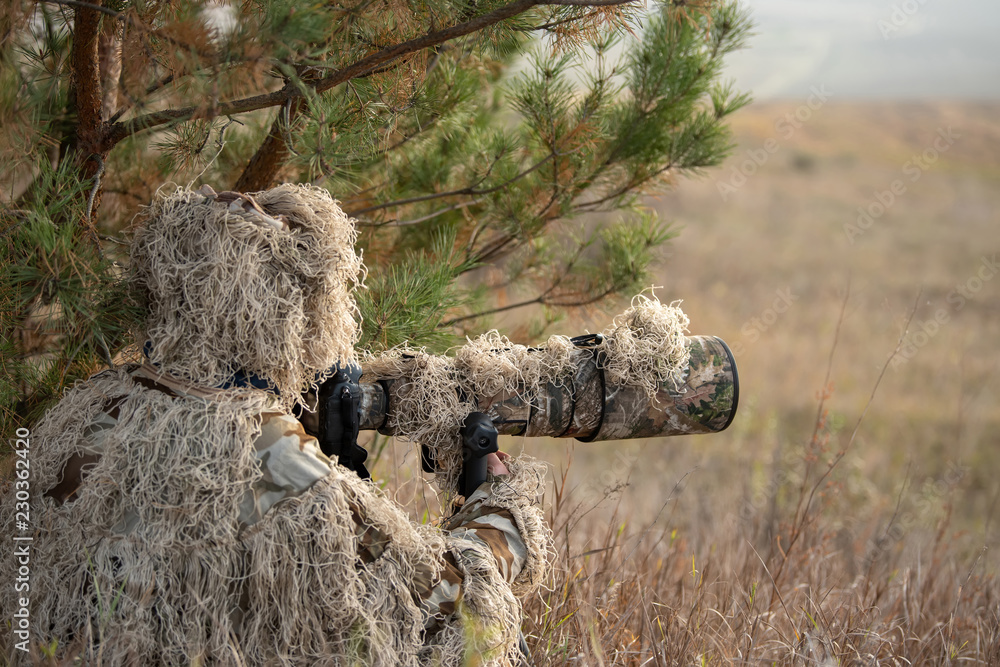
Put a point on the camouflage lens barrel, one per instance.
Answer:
(585, 406)
(705, 402)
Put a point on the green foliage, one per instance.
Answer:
(64, 308)
(629, 248)
(406, 302)
(473, 170)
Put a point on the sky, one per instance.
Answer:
(872, 49)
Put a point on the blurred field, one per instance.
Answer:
(793, 228)
(891, 556)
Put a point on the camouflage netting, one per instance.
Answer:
(147, 564)
(645, 346)
(257, 283)
(430, 407)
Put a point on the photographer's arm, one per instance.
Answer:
(478, 524)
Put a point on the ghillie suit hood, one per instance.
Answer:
(259, 284)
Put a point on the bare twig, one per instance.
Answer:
(112, 239)
(541, 299)
(95, 188)
(469, 190)
(424, 218)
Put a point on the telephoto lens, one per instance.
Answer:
(586, 405)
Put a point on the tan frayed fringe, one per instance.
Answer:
(307, 593)
(491, 607)
(645, 346)
(141, 568)
(492, 615)
(148, 565)
(430, 410)
(229, 292)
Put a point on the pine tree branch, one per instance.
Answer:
(579, 303)
(623, 190)
(586, 3)
(272, 153)
(556, 24)
(424, 218)
(541, 299)
(267, 160)
(615, 153)
(634, 184)
(85, 98)
(362, 67)
(471, 191)
(133, 22)
(411, 200)
(174, 77)
(494, 250)
(86, 91)
(86, 77)
(407, 138)
(492, 311)
(78, 4)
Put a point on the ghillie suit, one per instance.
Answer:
(181, 516)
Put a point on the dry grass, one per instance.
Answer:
(778, 582)
(768, 591)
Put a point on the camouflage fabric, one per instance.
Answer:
(291, 462)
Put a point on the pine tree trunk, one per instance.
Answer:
(86, 145)
(265, 164)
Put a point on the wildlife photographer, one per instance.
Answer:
(189, 518)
